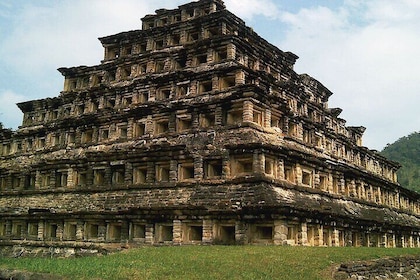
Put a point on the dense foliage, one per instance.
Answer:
(406, 151)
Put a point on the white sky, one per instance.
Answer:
(365, 51)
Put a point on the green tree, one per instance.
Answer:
(406, 151)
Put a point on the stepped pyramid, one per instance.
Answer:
(195, 130)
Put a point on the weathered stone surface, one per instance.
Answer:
(407, 267)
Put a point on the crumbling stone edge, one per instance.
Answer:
(404, 267)
(53, 251)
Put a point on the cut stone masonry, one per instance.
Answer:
(195, 130)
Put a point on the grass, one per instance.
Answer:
(206, 262)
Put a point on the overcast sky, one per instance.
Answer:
(367, 52)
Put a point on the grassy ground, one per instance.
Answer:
(206, 262)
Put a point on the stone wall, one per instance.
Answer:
(407, 267)
(31, 249)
